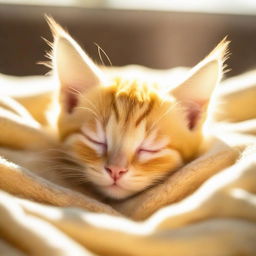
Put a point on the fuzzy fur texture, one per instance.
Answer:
(143, 129)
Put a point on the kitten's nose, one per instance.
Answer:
(115, 172)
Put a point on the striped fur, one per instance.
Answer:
(131, 123)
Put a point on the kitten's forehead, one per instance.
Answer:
(135, 100)
(124, 136)
(130, 112)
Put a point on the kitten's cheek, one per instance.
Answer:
(99, 178)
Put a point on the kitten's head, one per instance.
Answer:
(125, 133)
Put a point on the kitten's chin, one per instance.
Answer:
(116, 192)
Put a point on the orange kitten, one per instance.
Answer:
(123, 134)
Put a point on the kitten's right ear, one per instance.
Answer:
(75, 71)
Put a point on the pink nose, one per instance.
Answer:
(115, 172)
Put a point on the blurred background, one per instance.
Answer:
(155, 33)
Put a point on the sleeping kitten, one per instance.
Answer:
(123, 134)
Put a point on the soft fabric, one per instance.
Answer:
(208, 207)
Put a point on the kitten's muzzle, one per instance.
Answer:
(115, 172)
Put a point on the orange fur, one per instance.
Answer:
(144, 127)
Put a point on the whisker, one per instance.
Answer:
(90, 103)
(90, 110)
(99, 52)
(62, 168)
(162, 116)
(76, 92)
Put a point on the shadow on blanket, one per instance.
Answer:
(206, 208)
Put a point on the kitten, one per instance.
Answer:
(124, 134)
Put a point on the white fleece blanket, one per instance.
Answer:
(206, 208)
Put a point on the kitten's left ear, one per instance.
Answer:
(196, 91)
(75, 70)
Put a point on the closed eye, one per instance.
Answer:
(103, 144)
(152, 151)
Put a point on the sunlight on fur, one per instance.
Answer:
(123, 135)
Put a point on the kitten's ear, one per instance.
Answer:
(75, 70)
(196, 91)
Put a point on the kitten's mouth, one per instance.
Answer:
(116, 189)
(114, 185)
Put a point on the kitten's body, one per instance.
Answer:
(122, 133)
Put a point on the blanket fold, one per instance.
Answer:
(208, 207)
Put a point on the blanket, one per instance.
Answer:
(208, 207)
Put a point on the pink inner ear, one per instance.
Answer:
(194, 110)
(193, 116)
(70, 100)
